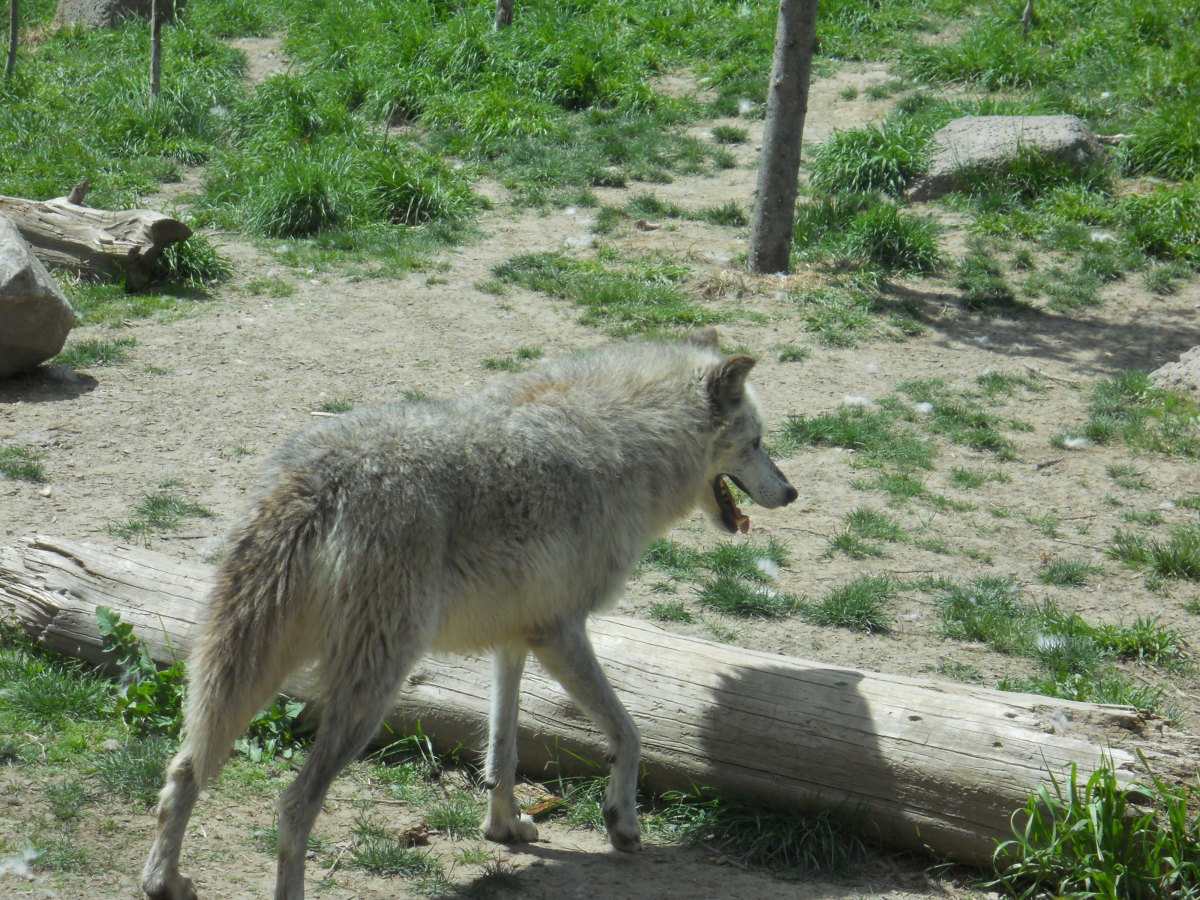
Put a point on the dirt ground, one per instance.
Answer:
(205, 397)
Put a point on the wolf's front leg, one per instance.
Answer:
(504, 822)
(568, 655)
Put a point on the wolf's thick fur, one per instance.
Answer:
(500, 520)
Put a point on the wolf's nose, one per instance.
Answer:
(791, 495)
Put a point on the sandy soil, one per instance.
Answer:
(204, 397)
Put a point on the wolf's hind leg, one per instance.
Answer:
(567, 654)
(504, 822)
(161, 879)
(358, 685)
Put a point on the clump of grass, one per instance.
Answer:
(791, 353)
(982, 282)
(969, 480)
(336, 406)
(163, 510)
(377, 851)
(1127, 476)
(860, 605)
(1067, 572)
(43, 691)
(671, 611)
(730, 214)
(873, 434)
(93, 352)
(1100, 837)
(21, 463)
(136, 770)
(457, 815)
(739, 597)
(673, 558)
(195, 263)
(625, 302)
(1130, 408)
(861, 231)
(730, 134)
(827, 842)
(875, 159)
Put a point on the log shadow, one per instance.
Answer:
(46, 384)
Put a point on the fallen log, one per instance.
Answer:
(66, 234)
(930, 764)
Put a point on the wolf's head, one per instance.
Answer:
(738, 452)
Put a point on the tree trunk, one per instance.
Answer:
(156, 17)
(65, 233)
(787, 104)
(14, 24)
(504, 14)
(931, 764)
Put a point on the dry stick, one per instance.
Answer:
(1066, 381)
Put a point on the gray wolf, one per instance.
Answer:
(497, 521)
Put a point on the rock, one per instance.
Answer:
(1183, 375)
(109, 13)
(35, 317)
(986, 143)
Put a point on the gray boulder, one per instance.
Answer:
(35, 316)
(1183, 375)
(974, 144)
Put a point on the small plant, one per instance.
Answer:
(1067, 572)
(457, 815)
(881, 158)
(730, 134)
(671, 611)
(160, 511)
(1101, 838)
(872, 434)
(1128, 477)
(982, 282)
(1179, 557)
(150, 701)
(136, 770)
(21, 463)
(790, 353)
(336, 406)
(738, 597)
(93, 352)
(378, 852)
(730, 214)
(860, 605)
(827, 842)
(967, 479)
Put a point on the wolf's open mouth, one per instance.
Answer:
(732, 518)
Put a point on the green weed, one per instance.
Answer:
(136, 770)
(860, 605)
(872, 434)
(163, 510)
(1067, 572)
(738, 597)
(92, 352)
(875, 159)
(377, 851)
(671, 611)
(1101, 838)
(21, 463)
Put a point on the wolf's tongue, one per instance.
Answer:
(731, 517)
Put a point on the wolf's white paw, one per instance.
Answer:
(177, 888)
(510, 829)
(623, 830)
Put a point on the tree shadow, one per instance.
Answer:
(1093, 346)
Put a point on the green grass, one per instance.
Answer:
(860, 605)
(163, 510)
(873, 434)
(880, 158)
(136, 770)
(457, 815)
(1178, 557)
(736, 596)
(1128, 407)
(624, 302)
(1068, 572)
(671, 611)
(92, 352)
(378, 852)
(861, 231)
(969, 479)
(21, 463)
(1099, 837)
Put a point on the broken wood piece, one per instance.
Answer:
(66, 234)
(930, 764)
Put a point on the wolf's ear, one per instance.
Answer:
(727, 381)
(702, 337)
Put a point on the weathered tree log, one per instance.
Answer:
(65, 233)
(931, 764)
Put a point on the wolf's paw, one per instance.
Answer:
(623, 830)
(178, 888)
(510, 829)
